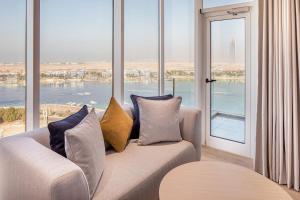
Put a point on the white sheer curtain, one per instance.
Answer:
(277, 140)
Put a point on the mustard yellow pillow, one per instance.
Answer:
(116, 126)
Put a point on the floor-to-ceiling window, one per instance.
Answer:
(141, 48)
(12, 66)
(76, 56)
(179, 49)
(76, 39)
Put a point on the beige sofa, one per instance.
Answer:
(29, 170)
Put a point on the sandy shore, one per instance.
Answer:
(11, 128)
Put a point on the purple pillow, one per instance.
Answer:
(135, 132)
(57, 130)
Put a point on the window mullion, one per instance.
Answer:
(199, 54)
(161, 50)
(32, 64)
(118, 50)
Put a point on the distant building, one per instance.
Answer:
(232, 51)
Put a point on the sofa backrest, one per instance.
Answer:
(189, 126)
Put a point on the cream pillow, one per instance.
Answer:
(159, 120)
(84, 146)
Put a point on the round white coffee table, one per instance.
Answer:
(209, 180)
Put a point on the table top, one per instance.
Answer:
(211, 180)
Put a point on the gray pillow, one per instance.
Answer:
(84, 146)
(159, 120)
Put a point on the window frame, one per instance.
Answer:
(244, 148)
(252, 9)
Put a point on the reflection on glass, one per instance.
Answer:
(76, 56)
(228, 69)
(141, 48)
(215, 3)
(12, 67)
(179, 49)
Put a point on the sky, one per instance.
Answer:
(214, 3)
(81, 31)
(12, 30)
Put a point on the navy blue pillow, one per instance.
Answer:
(57, 130)
(135, 132)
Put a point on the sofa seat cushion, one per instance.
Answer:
(137, 172)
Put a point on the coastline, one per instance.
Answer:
(67, 76)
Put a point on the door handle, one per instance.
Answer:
(210, 81)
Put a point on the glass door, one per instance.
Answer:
(227, 84)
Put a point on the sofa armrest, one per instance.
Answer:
(191, 127)
(28, 170)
